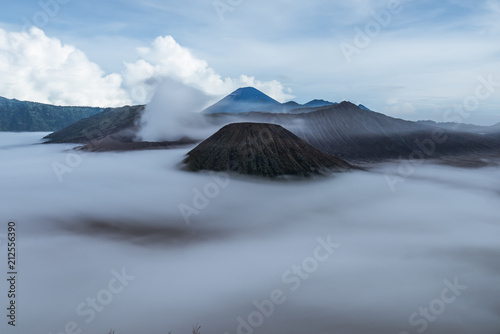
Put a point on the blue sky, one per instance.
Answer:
(420, 61)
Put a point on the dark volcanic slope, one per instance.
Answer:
(344, 130)
(117, 144)
(362, 135)
(359, 135)
(111, 121)
(261, 149)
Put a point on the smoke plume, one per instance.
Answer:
(174, 113)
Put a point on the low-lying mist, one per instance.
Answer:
(129, 241)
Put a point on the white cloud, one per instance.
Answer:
(166, 58)
(490, 20)
(38, 68)
(394, 107)
(441, 223)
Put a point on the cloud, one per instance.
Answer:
(165, 58)
(121, 210)
(38, 68)
(489, 20)
(430, 55)
(395, 107)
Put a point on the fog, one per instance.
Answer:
(339, 254)
(174, 113)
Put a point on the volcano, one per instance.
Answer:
(244, 100)
(261, 149)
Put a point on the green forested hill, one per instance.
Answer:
(31, 116)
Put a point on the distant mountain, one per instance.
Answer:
(464, 127)
(260, 149)
(318, 103)
(244, 100)
(287, 106)
(31, 116)
(360, 106)
(250, 99)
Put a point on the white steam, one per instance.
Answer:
(174, 113)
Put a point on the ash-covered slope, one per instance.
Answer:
(363, 135)
(120, 122)
(360, 135)
(344, 130)
(261, 149)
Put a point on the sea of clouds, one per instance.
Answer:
(130, 241)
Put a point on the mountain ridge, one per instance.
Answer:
(359, 135)
(248, 99)
(348, 131)
(18, 116)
